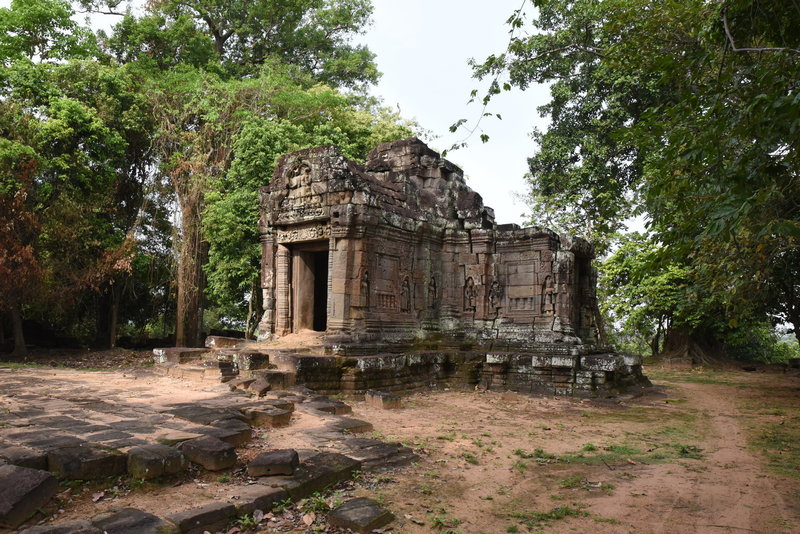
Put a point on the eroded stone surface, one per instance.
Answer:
(22, 492)
(131, 521)
(211, 517)
(360, 515)
(277, 462)
(210, 452)
(152, 461)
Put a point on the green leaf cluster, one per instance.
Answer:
(685, 114)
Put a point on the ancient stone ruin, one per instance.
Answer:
(410, 281)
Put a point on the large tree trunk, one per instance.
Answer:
(20, 350)
(190, 277)
(696, 346)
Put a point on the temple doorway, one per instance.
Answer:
(310, 286)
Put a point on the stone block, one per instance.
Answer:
(221, 342)
(258, 497)
(132, 521)
(259, 387)
(211, 517)
(151, 461)
(23, 456)
(383, 400)
(210, 452)
(86, 463)
(604, 362)
(317, 473)
(176, 437)
(22, 491)
(236, 432)
(348, 425)
(80, 526)
(277, 462)
(330, 406)
(269, 417)
(361, 515)
(240, 383)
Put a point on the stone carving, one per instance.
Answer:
(470, 294)
(432, 293)
(301, 177)
(548, 296)
(495, 295)
(310, 233)
(405, 295)
(365, 289)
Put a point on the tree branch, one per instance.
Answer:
(750, 49)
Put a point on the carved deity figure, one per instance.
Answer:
(495, 294)
(470, 294)
(548, 296)
(432, 293)
(365, 288)
(300, 178)
(405, 295)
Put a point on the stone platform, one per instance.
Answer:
(330, 369)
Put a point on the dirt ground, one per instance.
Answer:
(700, 452)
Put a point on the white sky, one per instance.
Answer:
(422, 49)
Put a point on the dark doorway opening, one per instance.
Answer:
(320, 290)
(310, 286)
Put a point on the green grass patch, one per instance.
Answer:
(538, 519)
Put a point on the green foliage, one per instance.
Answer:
(303, 118)
(686, 113)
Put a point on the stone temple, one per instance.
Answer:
(408, 280)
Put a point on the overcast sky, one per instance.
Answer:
(422, 49)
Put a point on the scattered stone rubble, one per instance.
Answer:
(82, 436)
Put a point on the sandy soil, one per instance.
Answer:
(679, 459)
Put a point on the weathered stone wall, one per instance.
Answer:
(414, 253)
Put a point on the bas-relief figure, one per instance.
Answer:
(334, 233)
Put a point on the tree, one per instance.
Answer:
(296, 118)
(686, 112)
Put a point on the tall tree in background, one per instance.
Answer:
(684, 112)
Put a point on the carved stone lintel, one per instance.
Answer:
(307, 233)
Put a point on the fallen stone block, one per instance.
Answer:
(258, 497)
(279, 403)
(383, 400)
(211, 517)
(210, 452)
(348, 425)
(86, 463)
(329, 406)
(132, 521)
(259, 387)
(240, 383)
(317, 473)
(221, 342)
(176, 437)
(269, 417)
(23, 456)
(234, 431)
(22, 491)
(374, 454)
(151, 461)
(177, 354)
(361, 515)
(277, 462)
(80, 526)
